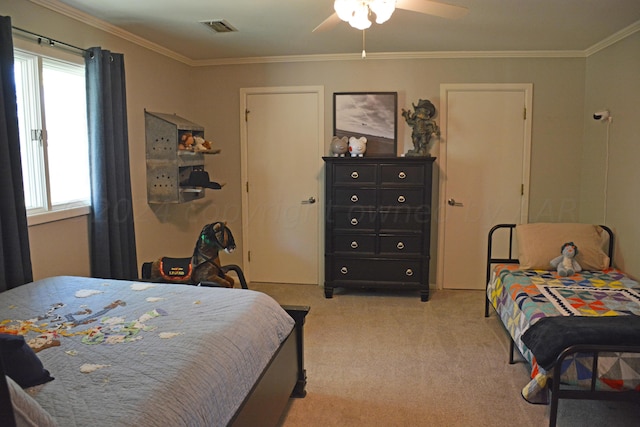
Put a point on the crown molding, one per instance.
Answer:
(73, 13)
(614, 38)
(372, 56)
(92, 21)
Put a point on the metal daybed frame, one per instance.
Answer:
(557, 391)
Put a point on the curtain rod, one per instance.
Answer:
(50, 41)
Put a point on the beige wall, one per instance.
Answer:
(210, 96)
(613, 82)
(557, 112)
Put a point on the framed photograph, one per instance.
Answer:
(373, 115)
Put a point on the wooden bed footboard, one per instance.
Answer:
(299, 314)
(283, 378)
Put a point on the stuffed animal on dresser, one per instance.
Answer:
(339, 146)
(565, 263)
(357, 146)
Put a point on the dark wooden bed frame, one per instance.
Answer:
(283, 378)
(557, 391)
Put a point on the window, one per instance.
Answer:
(52, 121)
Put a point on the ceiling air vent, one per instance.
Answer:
(219, 26)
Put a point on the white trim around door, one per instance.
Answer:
(245, 94)
(446, 90)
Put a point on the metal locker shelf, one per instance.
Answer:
(168, 167)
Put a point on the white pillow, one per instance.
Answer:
(26, 411)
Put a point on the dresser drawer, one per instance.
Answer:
(355, 174)
(402, 197)
(354, 220)
(354, 243)
(394, 220)
(355, 197)
(376, 270)
(402, 174)
(401, 244)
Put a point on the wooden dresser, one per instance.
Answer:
(378, 223)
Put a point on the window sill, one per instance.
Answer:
(45, 217)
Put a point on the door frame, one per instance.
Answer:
(445, 88)
(244, 165)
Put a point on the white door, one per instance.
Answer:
(484, 174)
(282, 146)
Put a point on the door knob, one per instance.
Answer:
(311, 200)
(452, 202)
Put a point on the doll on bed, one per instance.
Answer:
(565, 263)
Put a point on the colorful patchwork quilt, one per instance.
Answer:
(523, 297)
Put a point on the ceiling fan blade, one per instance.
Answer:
(436, 8)
(327, 24)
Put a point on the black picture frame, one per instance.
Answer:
(373, 115)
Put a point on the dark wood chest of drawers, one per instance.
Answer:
(378, 223)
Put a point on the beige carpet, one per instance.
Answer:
(387, 359)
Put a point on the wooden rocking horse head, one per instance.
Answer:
(204, 264)
(215, 237)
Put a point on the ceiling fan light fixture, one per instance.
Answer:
(360, 18)
(383, 9)
(344, 9)
(356, 12)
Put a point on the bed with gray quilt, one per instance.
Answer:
(127, 353)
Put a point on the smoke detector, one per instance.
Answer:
(219, 26)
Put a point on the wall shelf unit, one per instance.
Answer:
(170, 169)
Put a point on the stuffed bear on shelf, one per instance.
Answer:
(186, 142)
(201, 144)
(196, 143)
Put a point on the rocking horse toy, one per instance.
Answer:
(203, 268)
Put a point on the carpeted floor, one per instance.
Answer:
(386, 359)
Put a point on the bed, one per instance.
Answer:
(125, 353)
(580, 334)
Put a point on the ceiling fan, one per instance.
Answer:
(357, 12)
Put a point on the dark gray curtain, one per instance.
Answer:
(113, 244)
(15, 257)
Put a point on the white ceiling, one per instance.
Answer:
(276, 28)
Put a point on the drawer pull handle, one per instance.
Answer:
(344, 270)
(401, 199)
(400, 246)
(402, 175)
(409, 272)
(354, 175)
(354, 244)
(354, 198)
(354, 221)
